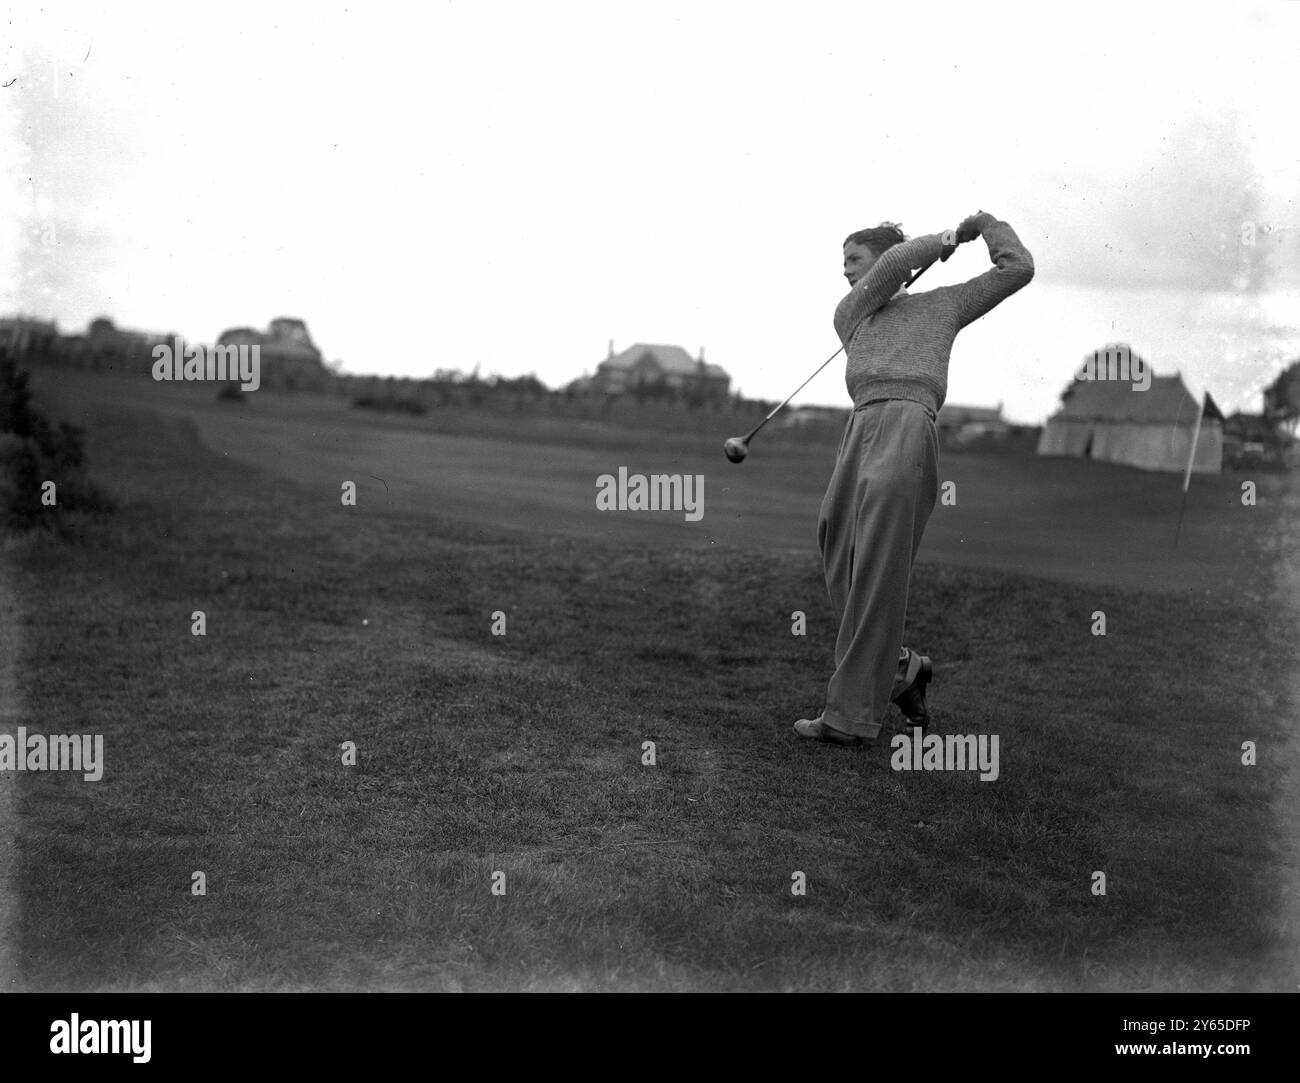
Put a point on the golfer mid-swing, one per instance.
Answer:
(885, 480)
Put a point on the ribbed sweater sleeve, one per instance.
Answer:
(1013, 268)
(878, 285)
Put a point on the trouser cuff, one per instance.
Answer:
(868, 731)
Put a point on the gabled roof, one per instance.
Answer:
(669, 358)
(271, 345)
(1166, 402)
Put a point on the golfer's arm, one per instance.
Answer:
(1013, 268)
(880, 283)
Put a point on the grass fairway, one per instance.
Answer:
(522, 754)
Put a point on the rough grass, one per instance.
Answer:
(522, 754)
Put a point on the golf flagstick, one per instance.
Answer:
(1187, 474)
(737, 448)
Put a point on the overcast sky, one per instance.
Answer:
(512, 185)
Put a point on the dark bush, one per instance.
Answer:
(390, 404)
(32, 452)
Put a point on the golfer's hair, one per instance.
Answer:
(879, 238)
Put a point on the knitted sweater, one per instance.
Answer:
(898, 343)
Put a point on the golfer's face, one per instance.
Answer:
(858, 259)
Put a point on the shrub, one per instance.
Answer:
(32, 452)
(390, 404)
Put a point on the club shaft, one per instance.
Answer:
(796, 391)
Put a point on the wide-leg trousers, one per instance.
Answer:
(879, 500)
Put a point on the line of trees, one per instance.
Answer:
(1282, 399)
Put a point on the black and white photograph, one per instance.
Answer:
(650, 498)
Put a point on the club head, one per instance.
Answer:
(736, 449)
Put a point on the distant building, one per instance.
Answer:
(647, 366)
(288, 354)
(1113, 421)
(105, 347)
(810, 418)
(1250, 429)
(1250, 439)
(22, 337)
(961, 423)
(104, 334)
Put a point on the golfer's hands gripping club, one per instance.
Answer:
(972, 226)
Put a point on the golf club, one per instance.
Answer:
(737, 447)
